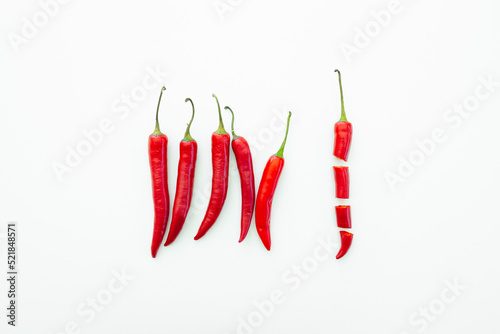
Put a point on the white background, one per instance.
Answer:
(261, 58)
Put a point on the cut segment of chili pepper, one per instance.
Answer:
(220, 166)
(243, 156)
(267, 186)
(341, 181)
(157, 149)
(345, 243)
(343, 213)
(188, 149)
(342, 130)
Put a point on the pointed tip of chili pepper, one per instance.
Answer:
(198, 235)
(265, 237)
(154, 252)
(345, 243)
(242, 236)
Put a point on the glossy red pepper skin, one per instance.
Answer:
(220, 166)
(341, 181)
(184, 190)
(157, 150)
(342, 139)
(267, 187)
(188, 150)
(220, 175)
(244, 162)
(243, 156)
(343, 213)
(345, 243)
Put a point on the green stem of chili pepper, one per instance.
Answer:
(235, 136)
(220, 129)
(187, 135)
(282, 148)
(343, 118)
(157, 131)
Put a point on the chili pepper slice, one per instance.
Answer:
(157, 149)
(188, 149)
(243, 156)
(343, 213)
(341, 181)
(345, 243)
(267, 186)
(342, 130)
(220, 166)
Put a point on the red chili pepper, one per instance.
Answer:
(341, 181)
(343, 213)
(243, 156)
(343, 131)
(157, 147)
(345, 243)
(188, 149)
(267, 186)
(220, 166)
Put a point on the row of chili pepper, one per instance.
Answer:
(262, 203)
(342, 144)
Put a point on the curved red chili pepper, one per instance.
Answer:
(342, 130)
(343, 213)
(267, 186)
(345, 243)
(220, 166)
(341, 181)
(188, 149)
(243, 156)
(157, 148)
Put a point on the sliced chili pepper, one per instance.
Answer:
(343, 213)
(267, 186)
(341, 181)
(220, 166)
(157, 149)
(188, 149)
(243, 156)
(345, 243)
(343, 130)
